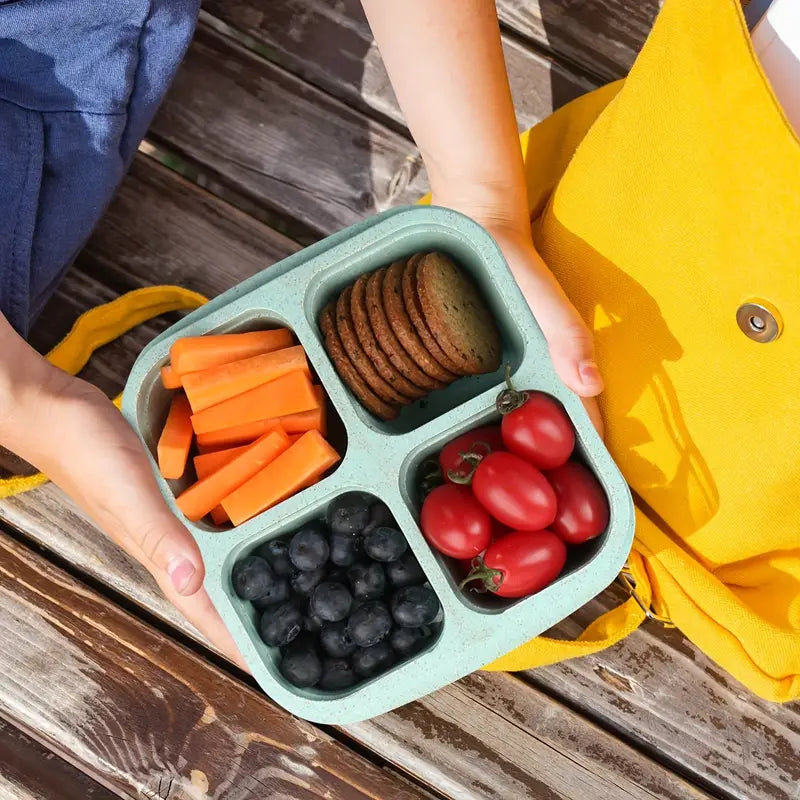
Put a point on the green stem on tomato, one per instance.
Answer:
(510, 399)
(485, 574)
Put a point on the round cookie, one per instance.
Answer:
(347, 372)
(387, 339)
(458, 317)
(385, 368)
(400, 322)
(353, 348)
(414, 310)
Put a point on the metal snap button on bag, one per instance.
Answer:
(759, 321)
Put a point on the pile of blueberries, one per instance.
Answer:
(344, 599)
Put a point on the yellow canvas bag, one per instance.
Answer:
(665, 204)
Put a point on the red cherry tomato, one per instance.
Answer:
(539, 431)
(582, 506)
(480, 441)
(455, 523)
(521, 563)
(514, 492)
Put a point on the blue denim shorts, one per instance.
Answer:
(80, 81)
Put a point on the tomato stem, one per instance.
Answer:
(473, 459)
(487, 575)
(510, 399)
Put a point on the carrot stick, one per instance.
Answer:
(176, 439)
(287, 474)
(313, 420)
(208, 463)
(289, 394)
(214, 385)
(293, 437)
(206, 494)
(169, 378)
(194, 353)
(219, 516)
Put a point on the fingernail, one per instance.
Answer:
(181, 571)
(589, 373)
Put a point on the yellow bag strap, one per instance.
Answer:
(606, 630)
(99, 326)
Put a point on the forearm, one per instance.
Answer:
(446, 64)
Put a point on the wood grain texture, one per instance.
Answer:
(421, 739)
(29, 771)
(282, 142)
(142, 714)
(657, 688)
(600, 36)
(331, 46)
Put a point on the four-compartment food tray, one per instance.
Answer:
(384, 459)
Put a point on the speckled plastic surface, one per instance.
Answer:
(383, 458)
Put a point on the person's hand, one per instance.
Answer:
(70, 431)
(570, 341)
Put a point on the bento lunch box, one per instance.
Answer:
(384, 459)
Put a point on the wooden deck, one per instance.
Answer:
(281, 128)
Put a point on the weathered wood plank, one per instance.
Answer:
(145, 715)
(282, 142)
(404, 737)
(29, 771)
(488, 737)
(331, 46)
(661, 690)
(601, 36)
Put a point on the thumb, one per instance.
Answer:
(570, 341)
(73, 433)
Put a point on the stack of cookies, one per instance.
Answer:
(408, 329)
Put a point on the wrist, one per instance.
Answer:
(497, 204)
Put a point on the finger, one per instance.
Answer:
(101, 464)
(593, 410)
(570, 341)
(72, 432)
(200, 611)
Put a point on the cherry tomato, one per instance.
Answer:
(539, 431)
(582, 506)
(480, 441)
(514, 492)
(455, 523)
(520, 563)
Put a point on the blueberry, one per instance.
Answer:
(252, 577)
(345, 548)
(370, 624)
(301, 664)
(308, 549)
(335, 640)
(312, 623)
(413, 606)
(337, 673)
(337, 575)
(384, 544)
(407, 641)
(367, 580)
(303, 583)
(348, 513)
(370, 661)
(281, 624)
(406, 571)
(379, 514)
(276, 554)
(331, 601)
(277, 593)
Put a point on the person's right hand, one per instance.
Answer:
(72, 432)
